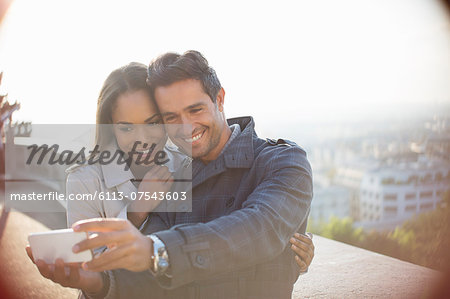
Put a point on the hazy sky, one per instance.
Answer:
(283, 62)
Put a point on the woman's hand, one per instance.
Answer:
(127, 247)
(157, 179)
(90, 282)
(303, 246)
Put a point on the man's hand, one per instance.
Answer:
(90, 282)
(127, 247)
(303, 246)
(157, 179)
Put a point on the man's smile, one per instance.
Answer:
(195, 138)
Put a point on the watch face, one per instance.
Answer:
(163, 264)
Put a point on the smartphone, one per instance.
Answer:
(51, 245)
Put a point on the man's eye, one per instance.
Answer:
(169, 118)
(196, 110)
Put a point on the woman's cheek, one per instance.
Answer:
(123, 142)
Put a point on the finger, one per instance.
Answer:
(100, 225)
(153, 170)
(163, 170)
(309, 235)
(168, 178)
(150, 175)
(304, 246)
(29, 253)
(301, 264)
(302, 254)
(164, 174)
(103, 239)
(303, 250)
(117, 264)
(157, 169)
(44, 269)
(304, 238)
(109, 258)
(74, 275)
(60, 274)
(155, 173)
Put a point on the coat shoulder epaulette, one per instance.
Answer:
(280, 141)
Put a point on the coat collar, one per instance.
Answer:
(116, 176)
(238, 154)
(113, 173)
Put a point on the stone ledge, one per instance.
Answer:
(338, 270)
(343, 271)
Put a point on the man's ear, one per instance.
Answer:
(220, 99)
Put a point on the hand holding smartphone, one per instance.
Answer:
(51, 245)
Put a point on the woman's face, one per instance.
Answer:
(135, 118)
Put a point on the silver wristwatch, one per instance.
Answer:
(160, 258)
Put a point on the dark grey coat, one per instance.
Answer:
(235, 242)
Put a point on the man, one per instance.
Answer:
(249, 197)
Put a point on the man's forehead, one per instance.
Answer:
(182, 86)
(181, 107)
(181, 95)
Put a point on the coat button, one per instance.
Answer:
(229, 202)
(200, 259)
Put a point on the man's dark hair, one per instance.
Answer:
(173, 67)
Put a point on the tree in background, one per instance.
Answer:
(422, 240)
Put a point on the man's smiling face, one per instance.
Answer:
(203, 122)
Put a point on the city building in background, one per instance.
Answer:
(382, 175)
(392, 194)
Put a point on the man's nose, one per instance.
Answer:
(185, 119)
(186, 130)
(186, 126)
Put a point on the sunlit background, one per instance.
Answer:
(362, 85)
(286, 63)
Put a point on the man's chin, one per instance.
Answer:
(195, 152)
(200, 154)
(196, 155)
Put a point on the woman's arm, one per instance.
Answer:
(79, 183)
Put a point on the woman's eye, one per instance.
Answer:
(156, 122)
(125, 129)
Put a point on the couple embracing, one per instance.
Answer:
(244, 236)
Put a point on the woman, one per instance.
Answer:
(126, 117)
(126, 104)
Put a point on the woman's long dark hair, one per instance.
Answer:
(129, 78)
